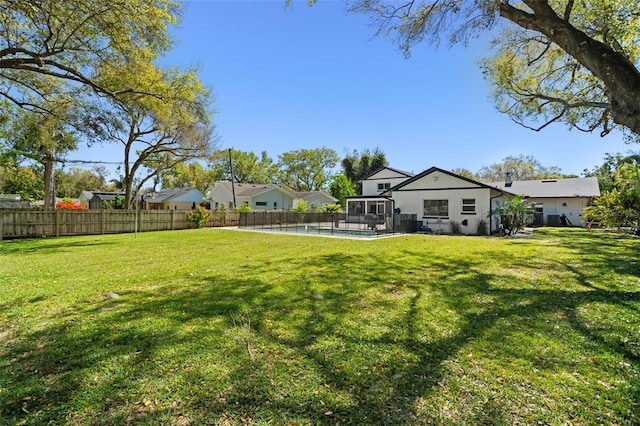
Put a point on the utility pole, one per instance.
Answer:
(233, 188)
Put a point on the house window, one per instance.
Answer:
(275, 205)
(468, 206)
(383, 186)
(230, 205)
(261, 203)
(436, 208)
(216, 205)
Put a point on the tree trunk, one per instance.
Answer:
(619, 75)
(49, 181)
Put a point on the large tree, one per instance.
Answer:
(27, 181)
(191, 174)
(167, 125)
(574, 61)
(358, 164)
(74, 41)
(341, 187)
(521, 167)
(72, 183)
(307, 169)
(41, 138)
(248, 167)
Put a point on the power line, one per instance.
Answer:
(62, 160)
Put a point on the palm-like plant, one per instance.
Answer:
(516, 213)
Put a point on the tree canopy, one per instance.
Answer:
(248, 167)
(158, 131)
(73, 50)
(341, 187)
(607, 171)
(572, 61)
(358, 164)
(521, 167)
(75, 41)
(620, 205)
(307, 169)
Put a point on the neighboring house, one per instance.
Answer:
(185, 198)
(315, 199)
(555, 197)
(13, 201)
(95, 199)
(257, 196)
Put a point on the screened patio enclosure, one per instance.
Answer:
(359, 207)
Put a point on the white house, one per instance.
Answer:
(264, 196)
(185, 198)
(439, 197)
(442, 200)
(374, 185)
(315, 199)
(382, 180)
(257, 196)
(555, 197)
(13, 201)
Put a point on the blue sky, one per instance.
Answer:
(291, 78)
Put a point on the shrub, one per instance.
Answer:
(199, 216)
(332, 208)
(117, 203)
(299, 210)
(481, 227)
(455, 227)
(68, 204)
(244, 208)
(301, 207)
(221, 214)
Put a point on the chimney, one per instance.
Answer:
(508, 180)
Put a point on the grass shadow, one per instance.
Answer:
(325, 339)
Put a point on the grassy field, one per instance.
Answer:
(224, 327)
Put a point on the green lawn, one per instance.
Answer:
(224, 327)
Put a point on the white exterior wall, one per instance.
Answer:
(370, 185)
(274, 199)
(554, 206)
(438, 180)
(219, 195)
(413, 202)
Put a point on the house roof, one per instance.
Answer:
(87, 195)
(308, 194)
(110, 196)
(249, 189)
(407, 174)
(10, 197)
(552, 188)
(437, 169)
(169, 194)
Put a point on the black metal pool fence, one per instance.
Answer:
(339, 224)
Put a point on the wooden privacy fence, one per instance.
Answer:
(57, 223)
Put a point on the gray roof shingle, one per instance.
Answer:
(552, 188)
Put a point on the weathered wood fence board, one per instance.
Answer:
(56, 223)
